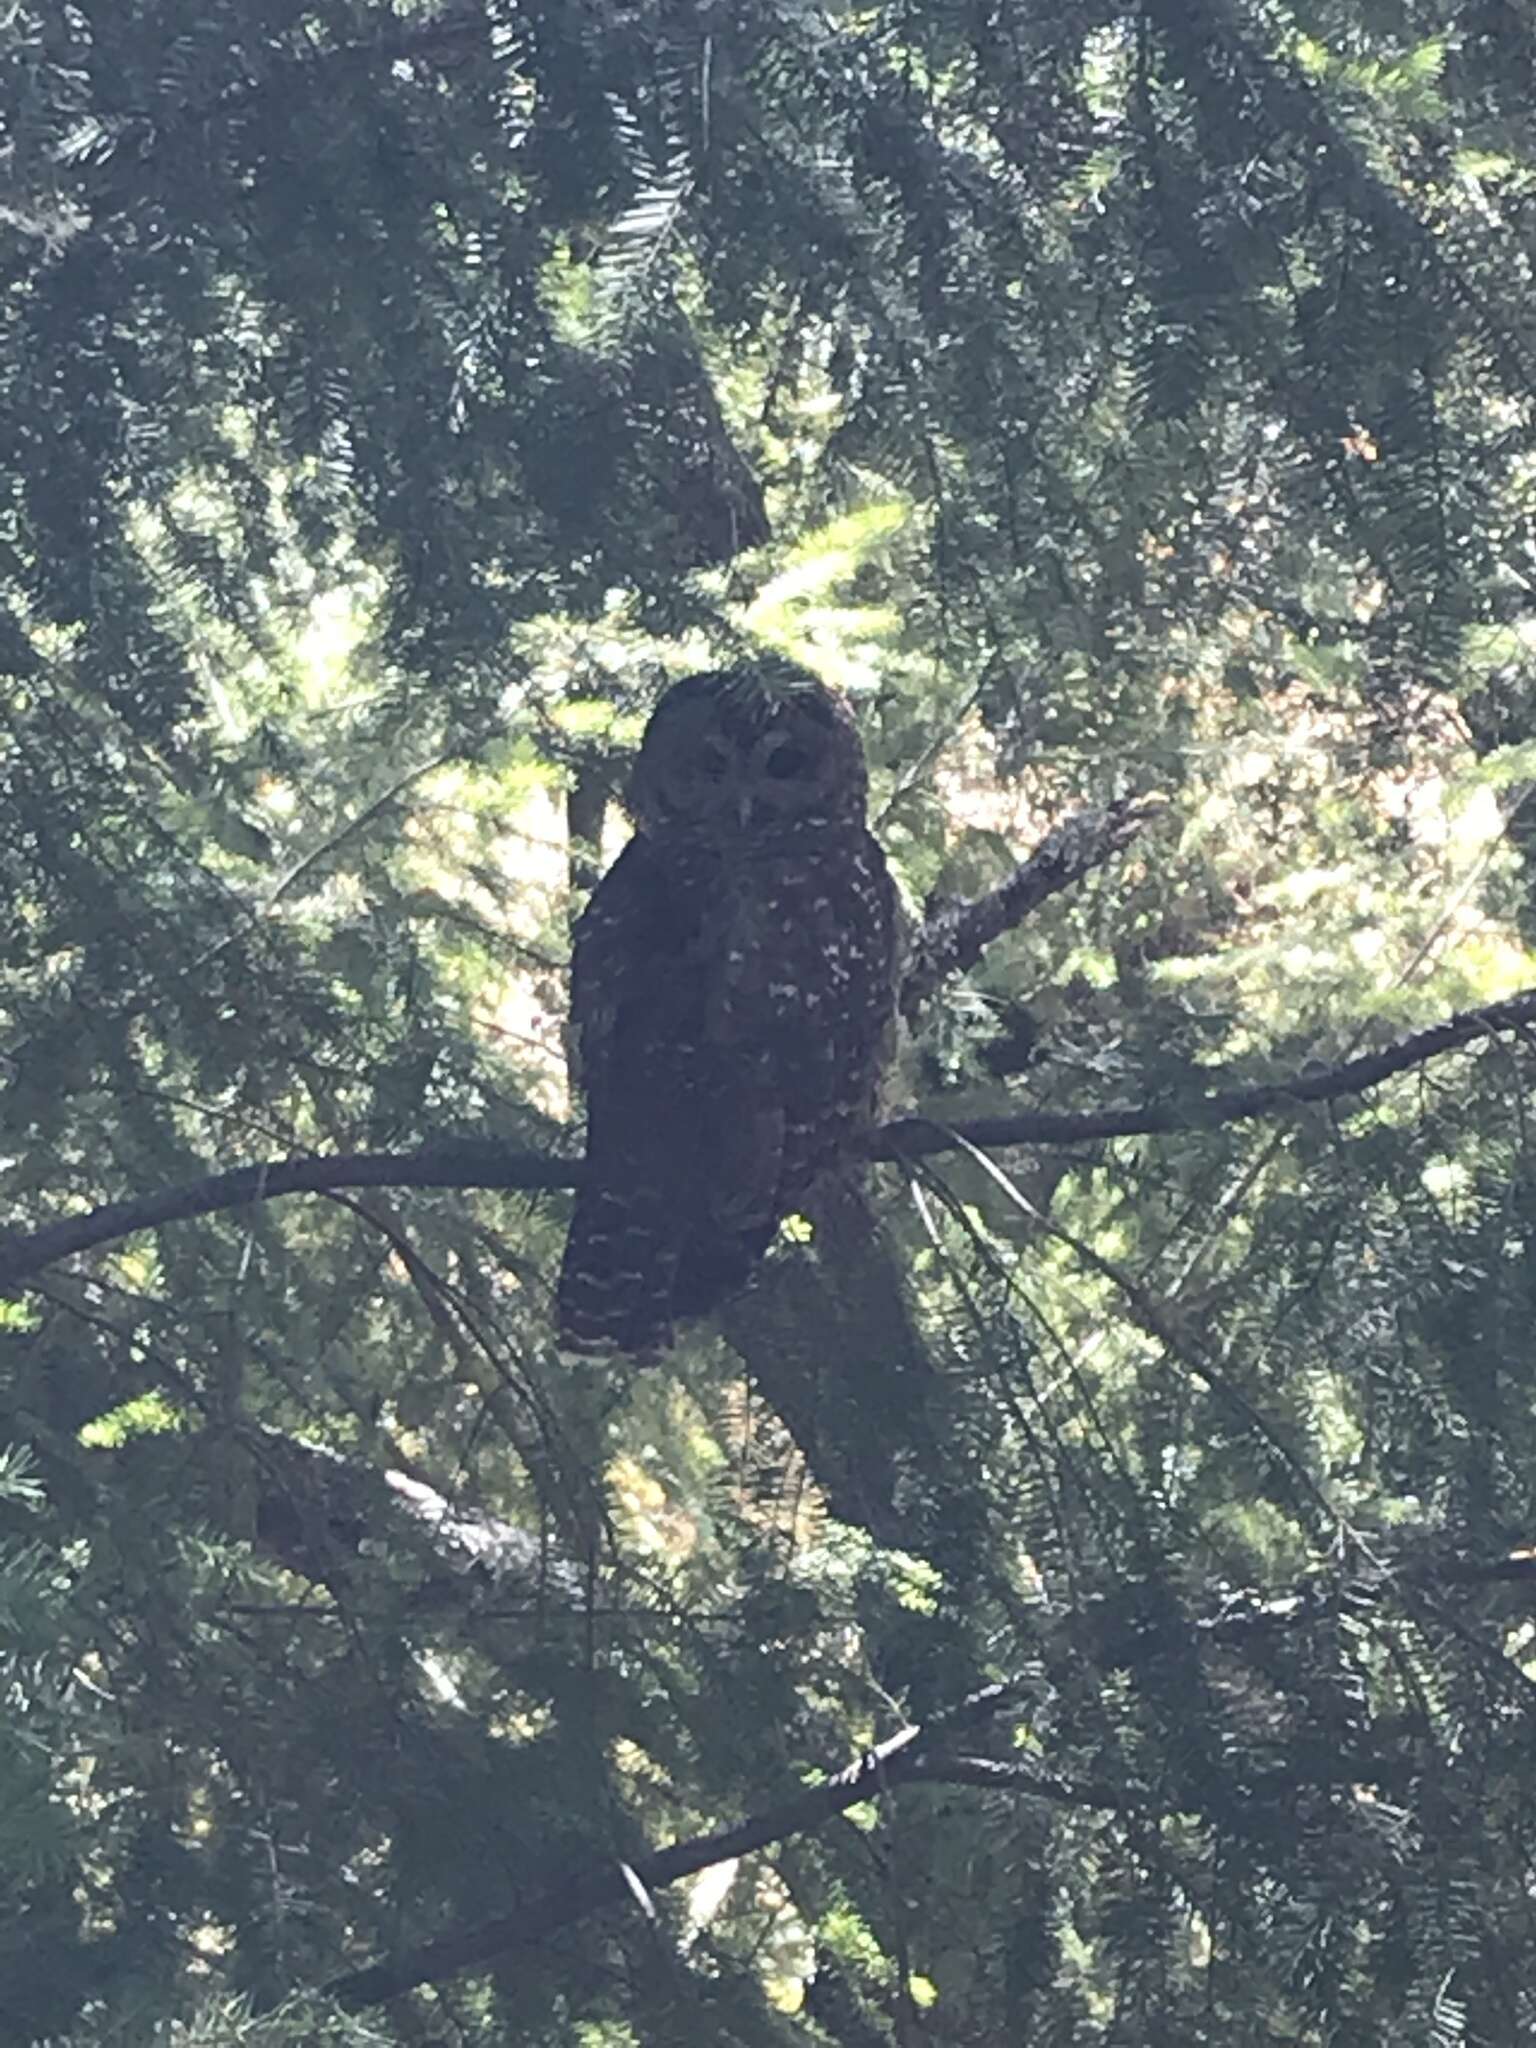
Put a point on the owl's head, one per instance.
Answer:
(749, 752)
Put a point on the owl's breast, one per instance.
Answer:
(790, 945)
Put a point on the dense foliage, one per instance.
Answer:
(1115, 400)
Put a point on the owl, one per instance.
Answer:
(733, 986)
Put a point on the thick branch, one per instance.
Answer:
(904, 1758)
(464, 1164)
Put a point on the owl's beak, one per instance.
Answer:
(744, 808)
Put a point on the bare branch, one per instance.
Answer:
(989, 1774)
(466, 1165)
(542, 1914)
(918, 1137)
(480, 1164)
(957, 936)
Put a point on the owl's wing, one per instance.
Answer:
(602, 956)
(635, 1006)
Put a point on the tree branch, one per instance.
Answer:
(913, 1756)
(989, 1774)
(919, 1137)
(955, 939)
(905, 1758)
(459, 1165)
(949, 943)
(483, 1164)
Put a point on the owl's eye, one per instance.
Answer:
(785, 762)
(714, 761)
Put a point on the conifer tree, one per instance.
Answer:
(1084, 1591)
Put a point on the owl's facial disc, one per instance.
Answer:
(724, 758)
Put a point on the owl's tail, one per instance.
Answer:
(627, 1277)
(616, 1281)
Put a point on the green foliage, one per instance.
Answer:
(297, 2023)
(1111, 400)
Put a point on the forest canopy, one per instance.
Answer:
(1083, 1590)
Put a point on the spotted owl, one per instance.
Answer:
(732, 989)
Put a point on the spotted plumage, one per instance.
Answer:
(733, 988)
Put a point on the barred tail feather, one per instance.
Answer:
(616, 1281)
